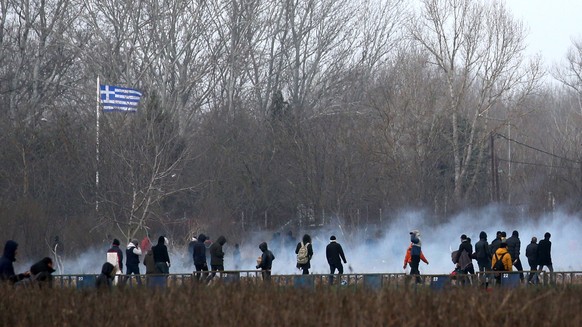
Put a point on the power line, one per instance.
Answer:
(535, 164)
(536, 149)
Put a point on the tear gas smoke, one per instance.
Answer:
(374, 250)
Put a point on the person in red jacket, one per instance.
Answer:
(414, 265)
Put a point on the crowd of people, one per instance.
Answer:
(502, 254)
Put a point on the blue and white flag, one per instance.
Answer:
(115, 98)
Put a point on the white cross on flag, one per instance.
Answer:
(115, 98)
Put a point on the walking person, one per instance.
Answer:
(504, 258)
(545, 255)
(335, 255)
(462, 257)
(199, 256)
(161, 257)
(216, 257)
(514, 246)
(531, 252)
(483, 257)
(414, 255)
(304, 251)
(132, 253)
(266, 262)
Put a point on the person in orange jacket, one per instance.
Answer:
(414, 259)
(502, 254)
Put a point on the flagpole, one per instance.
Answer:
(97, 151)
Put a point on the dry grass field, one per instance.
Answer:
(252, 305)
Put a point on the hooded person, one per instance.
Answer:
(42, 271)
(483, 257)
(105, 279)
(7, 263)
(514, 246)
(216, 257)
(266, 261)
(199, 257)
(161, 257)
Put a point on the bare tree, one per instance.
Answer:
(478, 47)
(571, 74)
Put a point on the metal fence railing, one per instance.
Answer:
(353, 281)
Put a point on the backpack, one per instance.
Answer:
(302, 254)
(499, 266)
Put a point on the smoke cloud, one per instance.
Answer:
(370, 249)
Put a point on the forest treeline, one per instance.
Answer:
(275, 115)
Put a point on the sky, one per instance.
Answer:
(552, 25)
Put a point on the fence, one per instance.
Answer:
(315, 281)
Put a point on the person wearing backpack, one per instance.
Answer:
(304, 252)
(462, 258)
(414, 255)
(501, 261)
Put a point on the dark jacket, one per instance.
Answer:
(200, 250)
(266, 258)
(482, 252)
(216, 253)
(416, 243)
(7, 262)
(41, 271)
(494, 245)
(149, 262)
(132, 253)
(531, 252)
(161, 251)
(464, 246)
(116, 249)
(514, 246)
(335, 254)
(544, 252)
(105, 279)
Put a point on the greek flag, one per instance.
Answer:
(115, 98)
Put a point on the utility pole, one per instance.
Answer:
(493, 187)
(494, 171)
